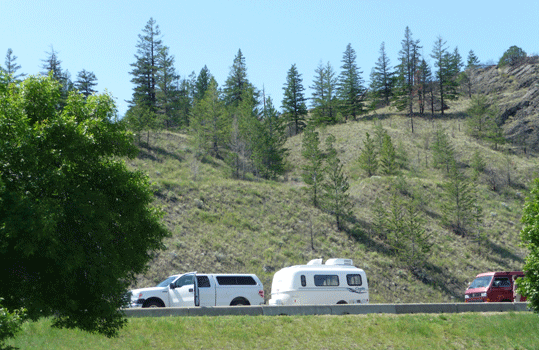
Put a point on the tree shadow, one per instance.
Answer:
(501, 252)
(145, 152)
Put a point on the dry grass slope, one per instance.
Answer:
(219, 224)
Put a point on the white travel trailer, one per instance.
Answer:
(337, 281)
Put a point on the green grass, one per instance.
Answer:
(423, 331)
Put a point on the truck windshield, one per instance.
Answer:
(166, 282)
(481, 282)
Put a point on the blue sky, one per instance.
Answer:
(101, 36)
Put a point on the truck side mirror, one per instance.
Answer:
(172, 286)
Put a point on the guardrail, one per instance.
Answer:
(326, 309)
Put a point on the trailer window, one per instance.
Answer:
(326, 280)
(303, 281)
(236, 281)
(354, 280)
(203, 281)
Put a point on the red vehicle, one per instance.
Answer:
(494, 287)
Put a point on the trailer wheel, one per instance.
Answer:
(341, 302)
(239, 302)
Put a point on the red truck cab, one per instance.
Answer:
(494, 287)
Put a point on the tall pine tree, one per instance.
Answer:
(350, 89)
(382, 78)
(294, 107)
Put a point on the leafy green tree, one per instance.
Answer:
(335, 197)
(76, 226)
(512, 56)
(460, 209)
(146, 67)
(382, 78)
(529, 285)
(12, 67)
(350, 89)
(85, 83)
(237, 84)
(324, 99)
(312, 171)
(368, 160)
(294, 107)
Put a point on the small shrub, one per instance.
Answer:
(10, 323)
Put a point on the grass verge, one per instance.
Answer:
(421, 331)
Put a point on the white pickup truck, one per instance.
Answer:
(204, 290)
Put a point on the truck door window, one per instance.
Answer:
(326, 280)
(303, 281)
(203, 282)
(184, 281)
(354, 280)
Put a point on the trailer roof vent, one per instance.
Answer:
(315, 262)
(340, 262)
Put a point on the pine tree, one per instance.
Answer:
(388, 157)
(52, 65)
(202, 83)
(12, 67)
(324, 101)
(167, 95)
(449, 66)
(335, 189)
(443, 153)
(368, 158)
(312, 171)
(294, 107)
(146, 67)
(350, 89)
(237, 83)
(269, 153)
(406, 72)
(382, 78)
(85, 83)
(473, 61)
(209, 124)
(460, 208)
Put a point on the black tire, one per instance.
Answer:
(153, 303)
(342, 302)
(240, 302)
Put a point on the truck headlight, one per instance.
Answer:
(483, 294)
(466, 296)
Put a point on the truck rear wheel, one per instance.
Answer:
(341, 302)
(153, 303)
(239, 302)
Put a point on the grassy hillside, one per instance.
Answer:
(219, 224)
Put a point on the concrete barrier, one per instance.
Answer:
(299, 310)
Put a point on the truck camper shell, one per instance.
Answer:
(337, 281)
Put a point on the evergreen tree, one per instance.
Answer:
(350, 87)
(443, 153)
(52, 65)
(167, 95)
(269, 153)
(312, 170)
(324, 101)
(425, 88)
(473, 61)
(388, 157)
(209, 124)
(368, 158)
(146, 67)
(382, 78)
(512, 56)
(294, 107)
(202, 83)
(448, 66)
(85, 83)
(460, 208)
(237, 83)
(406, 72)
(336, 199)
(12, 67)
